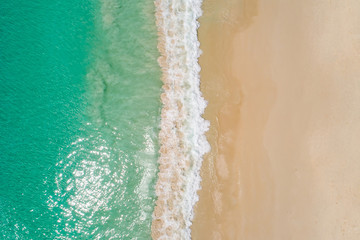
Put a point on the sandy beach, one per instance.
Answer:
(282, 80)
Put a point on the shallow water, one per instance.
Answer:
(79, 119)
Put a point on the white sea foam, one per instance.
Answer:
(182, 138)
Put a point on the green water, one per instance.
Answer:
(79, 119)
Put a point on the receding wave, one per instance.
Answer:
(182, 138)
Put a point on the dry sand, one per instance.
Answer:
(282, 78)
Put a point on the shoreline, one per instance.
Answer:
(281, 113)
(182, 138)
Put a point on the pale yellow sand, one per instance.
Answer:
(282, 78)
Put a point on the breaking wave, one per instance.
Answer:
(182, 138)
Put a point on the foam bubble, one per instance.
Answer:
(182, 138)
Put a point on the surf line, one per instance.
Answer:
(182, 129)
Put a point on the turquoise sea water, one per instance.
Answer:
(79, 119)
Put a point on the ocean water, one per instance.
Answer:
(79, 119)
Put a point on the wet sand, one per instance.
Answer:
(282, 79)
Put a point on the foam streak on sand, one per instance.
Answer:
(182, 138)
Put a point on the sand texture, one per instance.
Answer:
(282, 78)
